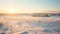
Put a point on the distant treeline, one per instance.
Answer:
(35, 14)
(45, 14)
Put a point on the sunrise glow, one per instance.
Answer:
(11, 10)
(29, 6)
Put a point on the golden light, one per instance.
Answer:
(11, 10)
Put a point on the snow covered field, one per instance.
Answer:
(29, 25)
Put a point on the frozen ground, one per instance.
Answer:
(29, 25)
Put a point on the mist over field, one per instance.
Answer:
(27, 24)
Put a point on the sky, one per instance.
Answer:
(28, 6)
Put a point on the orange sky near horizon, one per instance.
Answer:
(28, 6)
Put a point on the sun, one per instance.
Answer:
(11, 10)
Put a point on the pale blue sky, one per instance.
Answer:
(30, 5)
